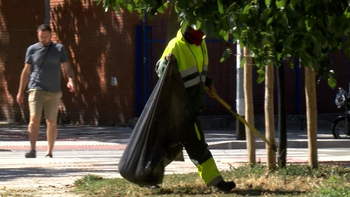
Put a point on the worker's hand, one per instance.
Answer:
(211, 91)
(168, 57)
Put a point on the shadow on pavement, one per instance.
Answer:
(37, 172)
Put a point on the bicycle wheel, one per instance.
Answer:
(339, 129)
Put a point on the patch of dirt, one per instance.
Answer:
(50, 190)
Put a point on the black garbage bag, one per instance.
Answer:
(157, 136)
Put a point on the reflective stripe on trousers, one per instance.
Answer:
(208, 170)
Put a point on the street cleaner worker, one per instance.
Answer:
(190, 50)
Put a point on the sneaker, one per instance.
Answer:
(31, 154)
(154, 187)
(225, 186)
(151, 187)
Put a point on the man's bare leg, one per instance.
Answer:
(51, 133)
(33, 130)
(33, 133)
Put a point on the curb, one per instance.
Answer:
(303, 143)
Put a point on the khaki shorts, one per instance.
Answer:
(49, 101)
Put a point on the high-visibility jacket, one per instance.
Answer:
(192, 62)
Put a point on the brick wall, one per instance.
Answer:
(100, 46)
(18, 22)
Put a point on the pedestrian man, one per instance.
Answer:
(42, 69)
(190, 50)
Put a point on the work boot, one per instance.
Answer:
(30, 154)
(225, 186)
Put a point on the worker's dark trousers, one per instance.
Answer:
(197, 150)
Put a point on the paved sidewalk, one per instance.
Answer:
(82, 150)
(217, 139)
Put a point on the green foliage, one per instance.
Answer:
(87, 179)
(225, 55)
(335, 186)
(274, 30)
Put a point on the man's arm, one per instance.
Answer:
(24, 79)
(70, 75)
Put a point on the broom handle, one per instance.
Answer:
(228, 107)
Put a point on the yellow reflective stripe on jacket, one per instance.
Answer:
(189, 71)
(192, 82)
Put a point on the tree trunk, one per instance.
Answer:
(249, 107)
(269, 115)
(282, 145)
(311, 115)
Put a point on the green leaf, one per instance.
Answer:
(220, 7)
(301, 22)
(181, 4)
(270, 39)
(270, 20)
(225, 35)
(209, 28)
(139, 11)
(235, 35)
(316, 47)
(130, 7)
(176, 8)
(332, 27)
(115, 6)
(306, 59)
(242, 62)
(226, 54)
(198, 24)
(162, 8)
(232, 7)
(97, 2)
(184, 25)
(291, 64)
(281, 4)
(281, 17)
(293, 4)
(246, 9)
(261, 73)
(297, 43)
(265, 13)
(268, 3)
(347, 13)
(288, 42)
(279, 56)
(332, 82)
(309, 23)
